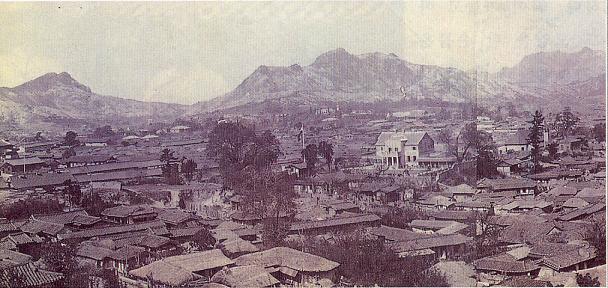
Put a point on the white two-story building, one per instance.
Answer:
(402, 149)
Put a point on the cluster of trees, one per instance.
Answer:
(60, 257)
(368, 262)
(70, 139)
(469, 140)
(30, 206)
(170, 167)
(245, 159)
(237, 147)
(599, 132)
(401, 217)
(312, 152)
(565, 122)
(104, 131)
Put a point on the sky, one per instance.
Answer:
(184, 52)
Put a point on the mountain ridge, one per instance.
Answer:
(335, 75)
(341, 76)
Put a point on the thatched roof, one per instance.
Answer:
(287, 257)
(245, 276)
(238, 245)
(177, 270)
(165, 273)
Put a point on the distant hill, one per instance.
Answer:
(545, 79)
(340, 76)
(548, 68)
(55, 101)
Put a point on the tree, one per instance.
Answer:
(170, 168)
(534, 139)
(269, 196)
(369, 262)
(94, 204)
(188, 168)
(67, 153)
(587, 280)
(30, 206)
(468, 138)
(110, 278)
(599, 132)
(72, 190)
(552, 148)
(326, 150)
(103, 131)
(486, 240)
(565, 121)
(310, 154)
(237, 147)
(203, 240)
(401, 217)
(70, 139)
(486, 161)
(596, 236)
(59, 257)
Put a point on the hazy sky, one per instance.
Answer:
(188, 52)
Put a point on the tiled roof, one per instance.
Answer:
(393, 234)
(28, 275)
(115, 230)
(126, 253)
(119, 175)
(185, 232)
(42, 180)
(126, 211)
(93, 252)
(434, 241)
(34, 226)
(113, 167)
(566, 259)
(504, 263)
(23, 161)
(173, 216)
(336, 221)
(508, 183)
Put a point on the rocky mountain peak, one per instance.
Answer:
(50, 81)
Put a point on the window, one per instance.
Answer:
(408, 159)
(389, 149)
(522, 148)
(414, 158)
(396, 149)
(414, 148)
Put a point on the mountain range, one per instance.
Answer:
(340, 76)
(57, 100)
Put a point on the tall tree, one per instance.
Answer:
(534, 139)
(486, 156)
(310, 155)
(70, 139)
(188, 168)
(73, 192)
(599, 132)
(237, 147)
(552, 148)
(170, 168)
(103, 131)
(326, 150)
(268, 196)
(565, 121)
(59, 257)
(203, 240)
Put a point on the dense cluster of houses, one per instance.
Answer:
(539, 223)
